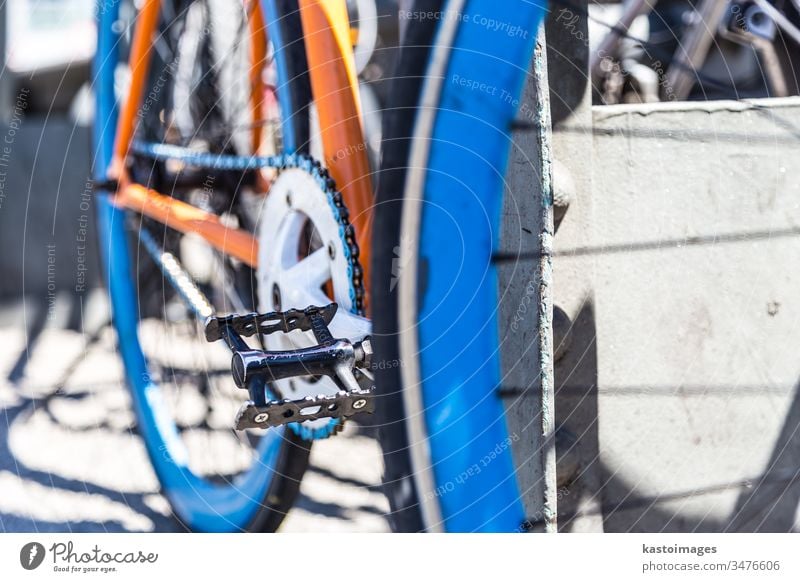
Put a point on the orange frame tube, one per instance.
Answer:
(186, 218)
(258, 54)
(139, 63)
(334, 84)
(335, 89)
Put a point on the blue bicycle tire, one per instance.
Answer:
(259, 498)
(435, 299)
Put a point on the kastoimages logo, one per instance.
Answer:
(31, 555)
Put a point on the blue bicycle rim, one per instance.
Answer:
(457, 322)
(202, 505)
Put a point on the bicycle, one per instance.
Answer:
(209, 203)
(685, 45)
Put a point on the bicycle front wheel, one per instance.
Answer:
(448, 449)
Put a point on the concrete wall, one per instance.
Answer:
(575, 369)
(693, 261)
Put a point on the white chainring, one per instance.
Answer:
(288, 277)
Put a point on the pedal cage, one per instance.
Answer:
(268, 323)
(252, 369)
(343, 404)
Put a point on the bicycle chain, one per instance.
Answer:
(209, 161)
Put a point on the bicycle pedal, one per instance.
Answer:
(342, 405)
(253, 369)
(267, 323)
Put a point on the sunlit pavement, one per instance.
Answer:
(70, 458)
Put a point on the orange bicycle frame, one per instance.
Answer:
(334, 86)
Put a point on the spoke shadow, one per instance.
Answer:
(54, 482)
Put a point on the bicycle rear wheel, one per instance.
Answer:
(448, 451)
(181, 388)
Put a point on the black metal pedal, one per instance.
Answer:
(267, 323)
(340, 405)
(252, 369)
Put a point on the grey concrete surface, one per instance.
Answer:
(692, 262)
(70, 459)
(525, 304)
(576, 411)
